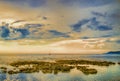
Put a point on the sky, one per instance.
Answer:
(59, 26)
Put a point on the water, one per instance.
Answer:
(104, 73)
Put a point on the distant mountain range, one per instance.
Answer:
(113, 52)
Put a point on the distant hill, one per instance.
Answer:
(113, 52)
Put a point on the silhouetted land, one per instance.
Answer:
(113, 52)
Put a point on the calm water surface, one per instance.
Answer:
(109, 73)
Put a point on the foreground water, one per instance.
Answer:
(104, 73)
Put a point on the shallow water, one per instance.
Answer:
(105, 73)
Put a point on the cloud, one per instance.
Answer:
(93, 24)
(36, 3)
(113, 39)
(99, 14)
(29, 31)
(4, 32)
(100, 27)
(18, 21)
(24, 32)
(104, 28)
(31, 3)
(39, 3)
(108, 35)
(118, 41)
(47, 21)
(87, 3)
(100, 24)
(32, 25)
(82, 44)
(45, 18)
(58, 34)
(12, 33)
(76, 27)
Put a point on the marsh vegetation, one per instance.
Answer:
(76, 62)
(63, 66)
(119, 63)
(86, 70)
